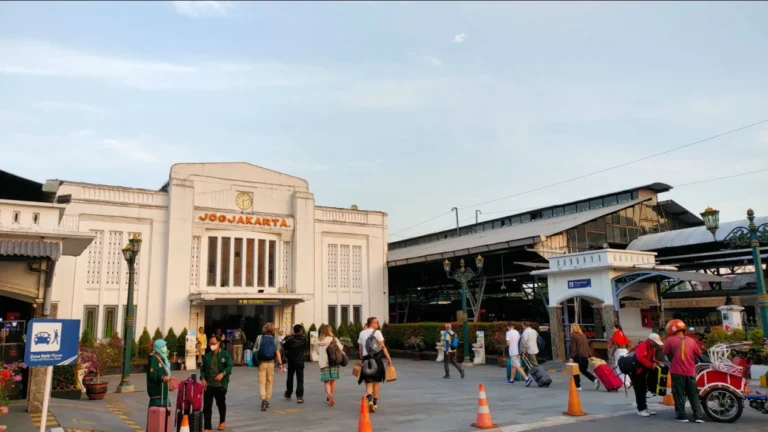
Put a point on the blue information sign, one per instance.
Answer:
(52, 342)
(579, 283)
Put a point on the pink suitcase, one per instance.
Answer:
(159, 419)
(608, 378)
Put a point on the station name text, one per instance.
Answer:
(244, 220)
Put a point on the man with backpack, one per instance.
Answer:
(637, 364)
(267, 351)
(293, 346)
(451, 343)
(372, 351)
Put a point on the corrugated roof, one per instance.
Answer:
(500, 238)
(31, 248)
(688, 236)
(672, 208)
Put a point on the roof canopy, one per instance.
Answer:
(689, 236)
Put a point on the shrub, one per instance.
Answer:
(181, 344)
(757, 337)
(345, 341)
(737, 335)
(717, 336)
(415, 343)
(65, 378)
(334, 330)
(106, 355)
(145, 342)
(116, 342)
(158, 335)
(171, 340)
(134, 350)
(342, 332)
(86, 339)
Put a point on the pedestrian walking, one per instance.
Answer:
(267, 351)
(513, 344)
(450, 343)
(645, 353)
(579, 354)
(621, 343)
(682, 352)
(238, 339)
(215, 373)
(372, 350)
(329, 370)
(293, 346)
(202, 343)
(529, 342)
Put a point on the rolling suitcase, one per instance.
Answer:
(189, 401)
(538, 374)
(608, 378)
(159, 418)
(518, 377)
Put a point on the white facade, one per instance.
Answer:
(220, 234)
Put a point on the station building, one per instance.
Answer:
(224, 245)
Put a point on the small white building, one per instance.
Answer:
(220, 242)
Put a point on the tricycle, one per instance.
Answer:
(723, 386)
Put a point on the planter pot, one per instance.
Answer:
(501, 361)
(97, 390)
(75, 394)
(417, 356)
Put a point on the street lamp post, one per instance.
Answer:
(464, 275)
(752, 236)
(130, 253)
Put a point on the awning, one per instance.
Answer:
(31, 248)
(229, 298)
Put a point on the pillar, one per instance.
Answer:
(608, 315)
(37, 375)
(556, 332)
(600, 329)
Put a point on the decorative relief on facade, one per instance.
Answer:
(333, 266)
(138, 261)
(114, 257)
(357, 268)
(286, 266)
(194, 264)
(339, 215)
(344, 267)
(95, 255)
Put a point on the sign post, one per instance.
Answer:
(51, 342)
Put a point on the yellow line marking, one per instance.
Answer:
(292, 410)
(279, 412)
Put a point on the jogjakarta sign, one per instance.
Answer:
(244, 220)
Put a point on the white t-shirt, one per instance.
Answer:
(513, 337)
(364, 335)
(530, 343)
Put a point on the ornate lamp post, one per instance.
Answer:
(742, 237)
(130, 252)
(464, 275)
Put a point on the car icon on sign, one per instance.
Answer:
(42, 338)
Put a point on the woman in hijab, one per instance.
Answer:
(159, 375)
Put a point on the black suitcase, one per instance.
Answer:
(539, 375)
(195, 421)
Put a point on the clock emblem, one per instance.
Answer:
(243, 200)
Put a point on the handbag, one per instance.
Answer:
(390, 374)
(356, 370)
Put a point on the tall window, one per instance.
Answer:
(345, 314)
(213, 243)
(357, 314)
(110, 321)
(272, 252)
(249, 245)
(238, 263)
(224, 261)
(91, 319)
(260, 265)
(332, 315)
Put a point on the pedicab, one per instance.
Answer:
(723, 387)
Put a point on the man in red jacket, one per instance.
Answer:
(682, 352)
(645, 353)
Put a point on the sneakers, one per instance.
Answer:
(597, 385)
(462, 373)
(681, 420)
(300, 400)
(578, 388)
(375, 405)
(447, 377)
(510, 382)
(370, 403)
(264, 405)
(287, 396)
(644, 413)
(699, 420)
(528, 382)
(651, 412)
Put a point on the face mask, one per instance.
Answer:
(164, 350)
(214, 347)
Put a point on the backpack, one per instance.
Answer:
(267, 348)
(454, 341)
(541, 343)
(334, 353)
(190, 396)
(372, 346)
(629, 364)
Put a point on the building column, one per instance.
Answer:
(36, 387)
(556, 332)
(607, 316)
(597, 313)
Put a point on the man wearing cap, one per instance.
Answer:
(682, 352)
(645, 353)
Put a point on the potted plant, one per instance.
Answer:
(87, 367)
(415, 343)
(10, 376)
(346, 342)
(106, 354)
(497, 344)
(65, 382)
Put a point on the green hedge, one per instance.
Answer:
(495, 341)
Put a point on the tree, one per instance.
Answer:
(181, 344)
(342, 331)
(86, 340)
(145, 342)
(171, 341)
(158, 335)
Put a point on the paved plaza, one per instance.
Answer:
(419, 400)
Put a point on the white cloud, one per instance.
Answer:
(84, 133)
(199, 9)
(67, 106)
(434, 61)
(459, 38)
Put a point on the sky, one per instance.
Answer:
(410, 108)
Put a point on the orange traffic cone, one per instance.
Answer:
(364, 424)
(184, 424)
(483, 412)
(574, 403)
(668, 399)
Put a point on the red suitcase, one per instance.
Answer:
(607, 377)
(159, 419)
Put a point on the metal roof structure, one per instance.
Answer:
(689, 236)
(515, 235)
(672, 208)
